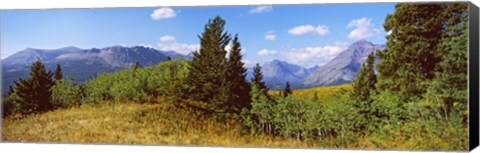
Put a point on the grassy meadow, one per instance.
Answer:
(161, 123)
(158, 123)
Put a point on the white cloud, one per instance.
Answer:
(309, 29)
(363, 29)
(311, 56)
(270, 36)
(178, 47)
(167, 38)
(261, 9)
(322, 30)
(249, 63)
(163, 13)
(266, 52)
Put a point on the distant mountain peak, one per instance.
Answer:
(362, 41)
(344, 67)
(276, 61)
(71, 48)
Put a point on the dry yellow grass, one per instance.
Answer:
(133, 123)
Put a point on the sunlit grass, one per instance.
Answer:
(134, 123)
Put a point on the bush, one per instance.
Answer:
(11, 104)
(140, 84)
(66, 93)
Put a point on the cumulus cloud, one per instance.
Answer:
(167, 38)
(261, 9)
(163, 13)
(363, 28)
(311, 56)
(178, 47)
(270, 36)
(309, 29)
(266, 52)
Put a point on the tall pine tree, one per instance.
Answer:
(240, 88)
(412, 51)
(364, 87)
(449, 90)
(288, 90)
(258, 78)
(35, 92)
(208, 72)
(364, 83)
(137, 66)
(58, 73)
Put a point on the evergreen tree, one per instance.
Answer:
(363, 88)
(258, 78)
(240, 89)
(287, 91)
(58, 73)
(364, 83)
(208, 72)
(412, 51)
(449, 88)
(10, 90)
(137, 66)
(169, 58)
(35, 92)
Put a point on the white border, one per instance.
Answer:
(73, 148)
(47, 4)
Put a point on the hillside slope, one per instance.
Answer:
(134, 123)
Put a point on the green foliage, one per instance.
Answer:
(288, 90)
(411, 54)
(11, 104)
(140, 85)
(258, 77)
(448, 90)
(35, 91)
(364, 88)
(240, 88)
(208, 72)
(422, 83)
(387, 108)
(66, 93)
(302, 119)
(259, 118)
(365, 81)
(57, 75)
(137, 66)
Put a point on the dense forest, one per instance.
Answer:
(414, 98)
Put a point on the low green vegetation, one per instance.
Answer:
(415, 97)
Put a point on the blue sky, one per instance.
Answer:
(306, 35)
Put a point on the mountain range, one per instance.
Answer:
(84, 64)
(343, 68)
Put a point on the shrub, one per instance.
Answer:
(66, 93)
